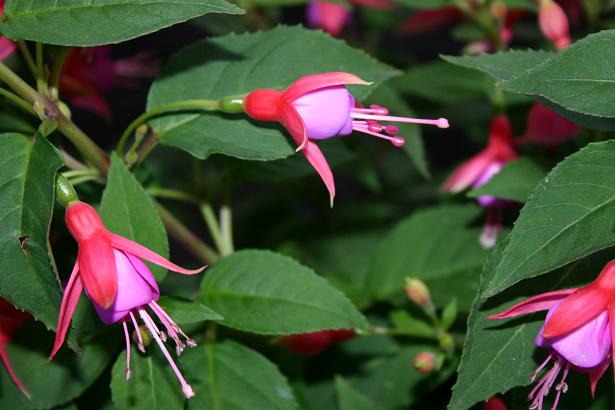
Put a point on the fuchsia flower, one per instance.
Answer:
(333, 17)
(577, 331)
(119, 285)
(313, 343)
(7, 47)
(11, 320)
(89, 73)
(479, 169)
(545, 127)
(318, 107)
(424, 21)
(554, 23)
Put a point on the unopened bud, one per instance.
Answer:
(417, 292)
(424, 362)
(495, 403)
(554, 23)
(65, 193)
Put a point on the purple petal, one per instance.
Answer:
(325, 112)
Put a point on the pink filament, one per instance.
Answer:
(186, 388)
(397, 141)
(140, 345)
(127, 372)
(368, 114)
(542, 388)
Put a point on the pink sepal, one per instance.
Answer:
(9, 368)
(313, 82)
(97, 269)
(468, 172)
(318, 161)
(544, 301)
(596, 374)
(67, 308)
(7, 47)
(141, 251)
(575, 310)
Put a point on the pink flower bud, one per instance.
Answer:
(495, 403)
(308, 344)
(554, 24)
(418, 292)
(424, 362)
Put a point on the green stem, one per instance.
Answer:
(213, 226)
(196, 105)
(172, 194)
(49, 109)
(74, 173)
(56, 72)
(41, 84)
(183, 235)
(23, 47)
(14, 98)
(226, 226)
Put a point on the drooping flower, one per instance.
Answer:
(553, 23)
(313, 343)
(479, 169)
(89, 73)
(333, 17)
(318, 107)
(110, 270)
(577, 331)
(7, 47)
(545, 127)
(11, 319)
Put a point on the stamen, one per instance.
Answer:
(562, 387)
(440, 122)
(161, 312)
(186, 388)
(543, 387)
(127, 372)
(535, 375)
(396, 141)
(140, 344)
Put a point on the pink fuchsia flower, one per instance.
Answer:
(424, 21)
(577, 332)
(479, 169)
(119, 284)
(318, 107)
(554, 23)
(333, 17)
(545, 127)
(11, 320)
(89, 73)
(495, 403)
(7, 47)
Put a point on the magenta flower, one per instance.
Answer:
(479, 169)
(577, 332)
(11, 320)
(90, 73)
(545, 127)
(553, 23)
(119, 285)
(333, 17)
(318, 107)
(7, 47)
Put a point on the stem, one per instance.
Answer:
(56, 72)
(14, 98)
(23, 47)
(214, 228)
(40, 70)
(197, 105)
(147, 146)
(226, 226)
(183, 235)
(80, 173)
(172, 194)
(49, 109)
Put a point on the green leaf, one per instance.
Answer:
(386, 95)
(55, 382)
(515, 181)
(579, 79)
(500, 354)
(27, 181)
(101, 22)
(238, 64)
(153, 386)
(403, 321)
(351, 399)
(127, 210)
(186, 311)
(502, 65)
(264, 292)
(229, 376)
(570, 215)
(434, 245)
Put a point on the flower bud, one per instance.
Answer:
(554, 23)
(418, 292)
(424, 362)
(308, 344)
(232, 104)
(495, 403)
(65, 193)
